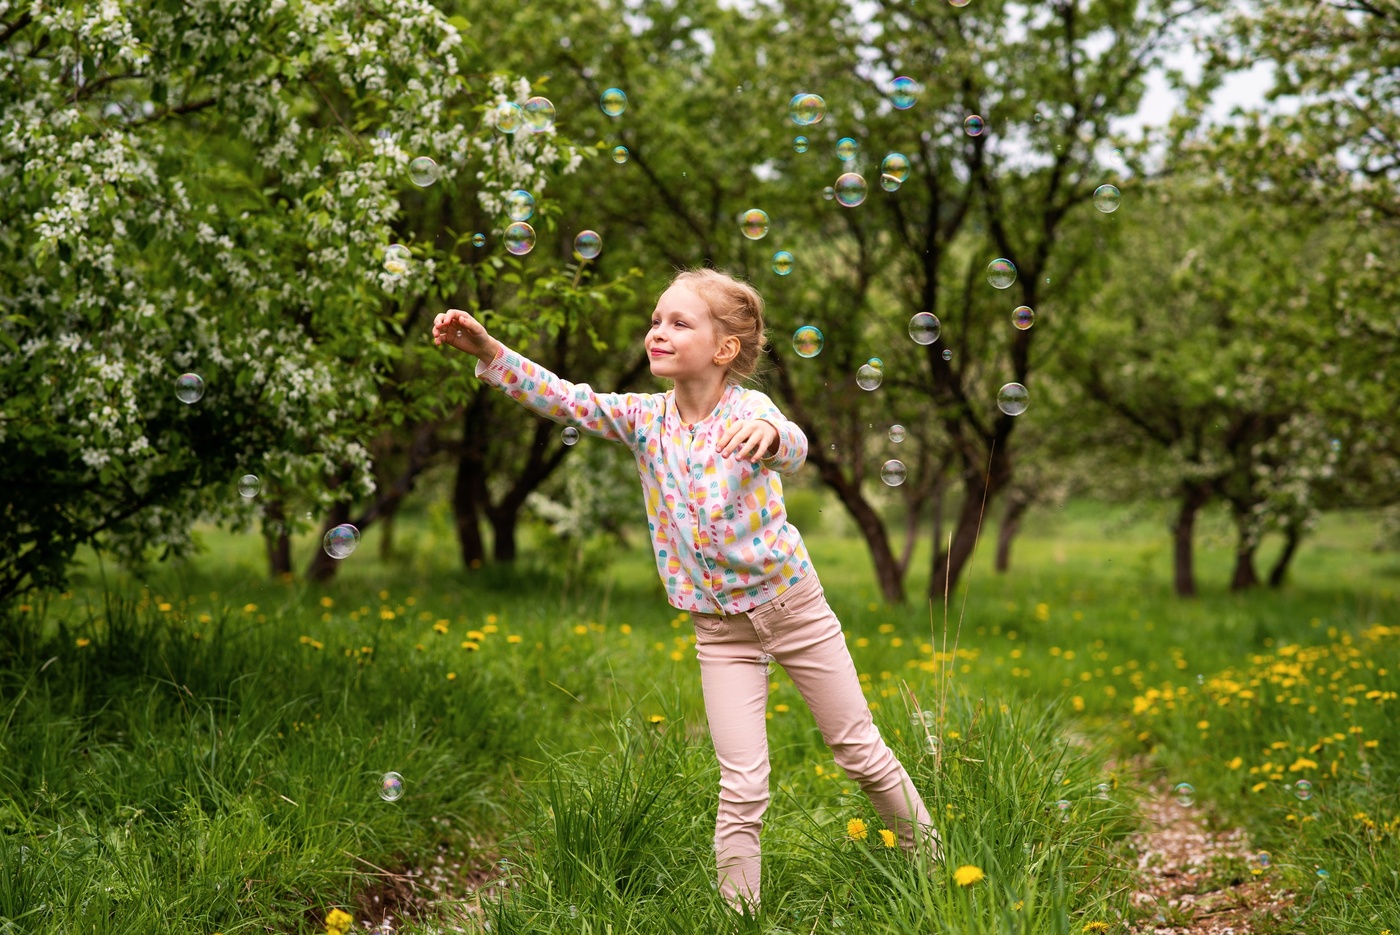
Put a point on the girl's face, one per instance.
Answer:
(683, 342)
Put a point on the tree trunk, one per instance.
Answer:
(1016, 507)
(469, 496)
(1293, 535)
(981, 484)
(1194, 495)
(1245, 576)
(277, 540)
(386, 533)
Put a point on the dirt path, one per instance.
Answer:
(1198, 882)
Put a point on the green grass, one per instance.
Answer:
(211, 754)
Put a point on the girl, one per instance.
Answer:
(710, 453)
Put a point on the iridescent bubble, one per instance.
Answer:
(799, 143)
(519, 238)
(947, 353)
(828, 193)
(925, 328)
(189, 387)
(806, 109)
(904, 92)
(478, 240)
(248, 486)
(1185, 794)
(807, 341)
(930, 744)
(588, 244)
(846, 149)
(1303, 789)
(877, 363)
(1118, 156)
(974, 125)
(959, 3)
(509, 117)
(396, 258)
(1106, 198)
(391, 787)
(754, 223)
(1264, 860)
(897, 165)
(620, 154)
(1102, 790)
(782, 262)
(1001, 273)
(850, 189)
(1023, 316)
(539, 113)
(1064, 806)
(896, 433)
(1323, 875)
(893, 472)
(1038, 118)
(341, 541)
(868, 377)
(1013, 399)
(613, 101)
(1336, 444)
(569, 435)
(422, 171)
(520, 205)
(889, 183)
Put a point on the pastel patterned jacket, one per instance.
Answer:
(718, 525)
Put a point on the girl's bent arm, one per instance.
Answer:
(792, 441)
(607, 415)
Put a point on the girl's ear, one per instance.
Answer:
(728, 350)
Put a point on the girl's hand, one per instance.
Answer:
(750, 439)
(456, 328)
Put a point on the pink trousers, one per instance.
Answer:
(800, 632)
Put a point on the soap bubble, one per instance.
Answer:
(1323, 875)
(850, 189)
(947, 353)
(754, 223)
(897, 165)
(925, 328)
(807, 341)
(1001, 273)
(569, 435)
(1185, 794)
(930, 744)
(959, 3)
(1102, 790)
(1038, 118)
(588, 245)
(828, 193)
(539, 113)
(1336, 444)
(478, 240)
(889, 183)
(868, 377)
(877, 363)
(423, 171)
(1023, 316)
(1106, 198)
(1064, 806)
(248, 486)
(846, 149)
(806, 109)
(341, 541)
(893, 472)
(1264, 860)
(1013, 399)
(1303, 789)
(613, 101)
(974, 125)
(396, 258)
(520, 205)
(391, 787)
(519, 238)
(782, 262)
(904, 92)
(508, 117)
(189, 387)
(896, 433)
(1118, 156)
(799, 143)
(620, 154)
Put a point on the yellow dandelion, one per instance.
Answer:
(1096, 926)
(1236, 763)
(967, 874)
(327, 602)
(513, 638)
(440, 626)
(781, 708)
(856, 829)
(657, 718)
(490, 618)
(1301, 764)
(887, 836)
(250, 608)
(338, 921)
(471, 645)
(475, 635)
(84, 641)
(452, 676)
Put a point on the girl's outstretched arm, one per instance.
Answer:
(792, 441)
(607, 415)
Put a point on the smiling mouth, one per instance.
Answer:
(660, 353)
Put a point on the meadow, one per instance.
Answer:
(201, 749)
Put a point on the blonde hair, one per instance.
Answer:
(737, 311)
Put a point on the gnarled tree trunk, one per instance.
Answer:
(1194, 495)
